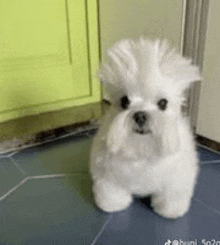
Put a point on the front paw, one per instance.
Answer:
(171, 209)
(113, 204)
(110, 198)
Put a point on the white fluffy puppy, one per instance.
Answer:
(145, 146)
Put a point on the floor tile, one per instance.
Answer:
(208, 185)
(9, 175)
(51, 211)
(62, 210)
(63, 156)
(139, 225)
(205, 155)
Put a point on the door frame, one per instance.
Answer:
(193, 45)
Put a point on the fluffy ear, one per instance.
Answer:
(170, 138)
(120, 69)
(110, 80)
(117, 133)
(173, 65)
(188, 75)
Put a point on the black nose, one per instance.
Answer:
(140, 118)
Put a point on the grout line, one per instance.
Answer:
(207, 148)
(212, 161)
(102, 229)
(14, 188)
(49, 176)
(207, 206)
(10, 155)
(17, 166)
(30, 178)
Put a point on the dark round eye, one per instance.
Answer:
(125, 102)
(162, 104)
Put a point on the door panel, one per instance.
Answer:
(43, 53)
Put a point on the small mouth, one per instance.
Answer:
(141, 131)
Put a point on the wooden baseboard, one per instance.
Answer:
(33, 125)
(209, 143)
(38, 128)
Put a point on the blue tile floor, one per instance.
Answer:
(46, 198)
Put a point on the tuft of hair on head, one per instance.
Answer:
(176, 67)
(130, 63)
(119, 72)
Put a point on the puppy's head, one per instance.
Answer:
(146, 81)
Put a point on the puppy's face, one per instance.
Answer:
(149, 121)
(149, 113)
(145, 81)
(145, 115)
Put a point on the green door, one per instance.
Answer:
(45, 60)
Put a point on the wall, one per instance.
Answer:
(132, 18)
(208, 122)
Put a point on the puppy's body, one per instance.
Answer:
(144, 147)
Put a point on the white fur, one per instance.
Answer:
(162, 163)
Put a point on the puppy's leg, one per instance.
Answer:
(172, 204)
(109, 197)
